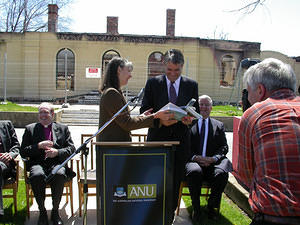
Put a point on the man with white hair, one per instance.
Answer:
(269, 143)
(46, 145)
(207, 161)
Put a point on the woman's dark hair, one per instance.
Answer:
(111, 75)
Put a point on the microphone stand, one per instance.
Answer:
(84, 149)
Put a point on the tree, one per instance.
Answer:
(249, 7)
(29, 15)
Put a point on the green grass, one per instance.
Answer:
(229, 212)
(226, 110)
(9, 216)
(12, 107)
(218, 110)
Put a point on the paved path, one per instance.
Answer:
(65, 211)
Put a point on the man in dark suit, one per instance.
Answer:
(9, 150)
(46, 145)
(178, 89)
(207, 160)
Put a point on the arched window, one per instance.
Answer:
(155, 64)
(65, 69)
(228, 71)
(107, 56)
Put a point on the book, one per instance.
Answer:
(178, 112)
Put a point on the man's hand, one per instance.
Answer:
(168, 122)
(45, 145)
(51, 153)
(5, 158)
(204, 161)
(187, 120)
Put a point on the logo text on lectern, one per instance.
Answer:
(135, 193)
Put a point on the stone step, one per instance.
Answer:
(88, 101)
(69, 121)
(84, 116)
(82, 111)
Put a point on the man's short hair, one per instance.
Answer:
(205, 97)
(272, 73)
(174, 56)
(47, 105)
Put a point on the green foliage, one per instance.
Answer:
(226, 110)
(12, 107)
(9, 216)
(229, 212)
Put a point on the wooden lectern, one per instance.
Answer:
(134, 182)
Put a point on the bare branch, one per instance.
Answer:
(249, 8)
(27, 15)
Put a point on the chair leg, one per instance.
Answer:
(80, 190)
(27, 201)
(207, 194)
(15, 199)
(67, 194)
(71, 197)
(179, 198)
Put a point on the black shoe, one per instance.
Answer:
(43, 218)
(212, 214)
(56, 218)
(196, 216)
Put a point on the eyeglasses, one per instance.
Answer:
(44, 112)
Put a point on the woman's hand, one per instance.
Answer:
(164, 115)
(147, 112)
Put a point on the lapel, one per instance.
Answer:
(3, 136)
(210, 135)
(39, 132)
(163, 89)
(54, 132)
(181, 91)
(195, 132)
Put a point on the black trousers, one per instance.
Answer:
(38, 184)
(216, 177)
(4, 174)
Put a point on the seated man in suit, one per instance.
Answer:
(46, 145)
(207, 161)
(9, 150)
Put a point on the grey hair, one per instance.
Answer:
(205, 97)
(272, 73)
(47, 105)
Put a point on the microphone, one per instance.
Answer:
(191, 110)
(191, 102)
(139, 96)
(246, 63)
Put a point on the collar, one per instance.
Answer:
(282, 94)
(176, 82)
(48, 125)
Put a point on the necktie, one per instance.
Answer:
(172, 92)
(202, 134)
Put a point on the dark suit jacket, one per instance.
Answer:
(34, 134)
(156, 96)
(216, 144)
(10, 142)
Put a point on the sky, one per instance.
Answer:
(275, 24)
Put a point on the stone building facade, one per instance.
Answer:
(35, 65)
